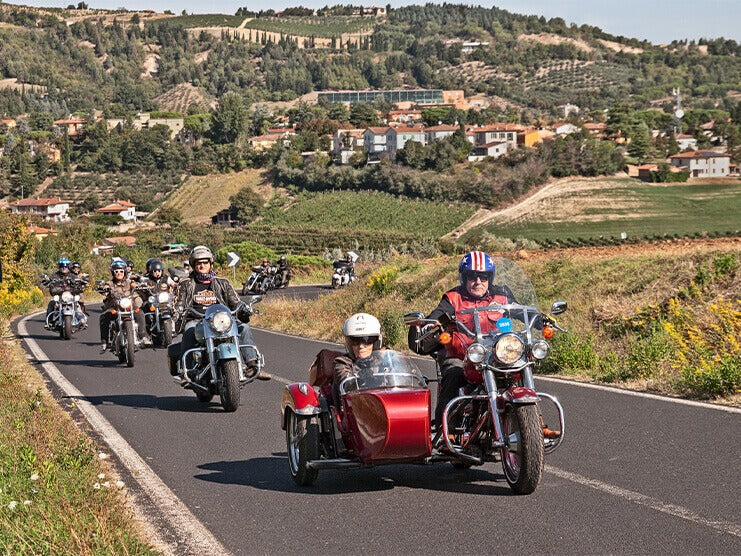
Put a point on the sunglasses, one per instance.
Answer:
(367, 340)
(482, 276)
(202, 263)
(118, 272)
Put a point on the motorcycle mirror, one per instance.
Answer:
(411, 319)
(255, 299)
(559, 307)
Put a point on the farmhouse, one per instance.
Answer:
(703, 164)
(495, 149)
(397, 137)
(502, 133)
(48, 208)
(71, 126)
(124, 209)
(438, 132)
(375, 140)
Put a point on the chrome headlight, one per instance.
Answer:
(67, 297)
(125, 303)
(540, 349)
(56, 298)
(163, 297)
(221, 322)
(476, 353)
(509, 349)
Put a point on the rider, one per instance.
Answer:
(200, 290)
(62, 275)
(347, 264)
(283, 271)
(123, 286)
(475, 289)
(75, 271)
(362, 334)
(155, 275)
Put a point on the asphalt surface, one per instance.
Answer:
(635, 475)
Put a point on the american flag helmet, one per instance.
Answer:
(476, 261)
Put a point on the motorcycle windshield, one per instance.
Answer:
(383, 369)
(521, 310)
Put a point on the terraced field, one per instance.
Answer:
(201, 197)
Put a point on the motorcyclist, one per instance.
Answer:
(200, 290)
(362, 334)
(476, 273)
(130, 274)
(155, 276)
(58, 282)
(347, 264)
(284, 271)
(75, 271)
(121, 285)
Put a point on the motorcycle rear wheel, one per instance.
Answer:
(523, 457)
(66, 331)
(229, 385)
(302, 441)
(130, 343)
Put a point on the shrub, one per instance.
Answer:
(381, 282)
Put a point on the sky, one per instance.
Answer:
(658, 21)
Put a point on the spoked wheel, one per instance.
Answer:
(302, 440)
(523, 457)
(66, 331)
(229, 386)
(130, 343)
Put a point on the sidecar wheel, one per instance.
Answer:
(523, 457)
(229, 387)
(302, 440)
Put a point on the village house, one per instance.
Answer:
(227, 217)
(595, 128)
(40, 233)
(438, 132)
(71, 126)
(564, 128)
(144, 120)
(686, 142)
(495, 149)
(107, 245)
(6, 124)
(48, 208)
(470, 46)
(375, 141)
(703, 164)
(502, 133)
(397, 137)
(126, 210)
(265, 142)
(528, 137)
(404, 116)
(345, 142)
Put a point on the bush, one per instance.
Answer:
(382, 281)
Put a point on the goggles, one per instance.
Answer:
(473, 276)
(358, 340)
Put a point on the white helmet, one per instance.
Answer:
(362, 325)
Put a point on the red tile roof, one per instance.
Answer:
(128, 241)
(701, 154)
(39, 230)
(378, 130)
(443, 127)
(592, 126)
(408, 129)
(40, 202)
(117, 206)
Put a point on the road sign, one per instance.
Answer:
(232, 259)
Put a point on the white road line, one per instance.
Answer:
(538, 378)
(192, 536)
(643, 500)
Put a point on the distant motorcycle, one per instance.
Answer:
(341, 276)
(159, 313)
(216, 362)
(122, 331)
(66, 318)
(260, 281)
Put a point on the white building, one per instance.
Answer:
(494, 149)
(703, 164)
(375, 140)
(126, 210)
(438, 132)
(48, 208)
(686, 142)
(397, 137)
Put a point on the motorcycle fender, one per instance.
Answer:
(520, 395)
(226, 351)
(302, 399)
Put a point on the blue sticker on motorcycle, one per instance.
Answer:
(504, 325)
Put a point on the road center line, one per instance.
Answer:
(652, 503)
(192, 536)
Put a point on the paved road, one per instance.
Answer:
(635, 475)
(303, 293)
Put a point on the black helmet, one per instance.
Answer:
(118, 264)
(130, 263)
(154, 264)
(150, 260)
(75, 266)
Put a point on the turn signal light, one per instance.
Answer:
(548, 332)
(113, 311)
(151, 308)
(446, 338)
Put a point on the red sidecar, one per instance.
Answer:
(382, 416)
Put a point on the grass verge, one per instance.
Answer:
(58, 492)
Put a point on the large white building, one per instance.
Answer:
(703, 164)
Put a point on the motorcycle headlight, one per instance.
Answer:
(540, 349)
(221, 322)
(163, 297)
(476, 353)
(125, 303)
(150, 299)
(509, 349)
(67, 297)
(56, 298)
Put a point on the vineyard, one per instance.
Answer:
(183, 95)
(314, 26)
(369, 211)
(203, 20)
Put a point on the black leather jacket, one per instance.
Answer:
(223, 290)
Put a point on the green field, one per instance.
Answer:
(201, 20)
(369, 211)
(313, 26)
(615, 206)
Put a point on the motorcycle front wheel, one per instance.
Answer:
(66, 330)
(523, 456)
(130, 343)
(229, 385)
(302, 441)
(166, 333)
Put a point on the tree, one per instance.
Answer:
(640, 142)
(248, 203)
(363, 114)
(227, 123)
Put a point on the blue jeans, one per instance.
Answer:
(188, 341)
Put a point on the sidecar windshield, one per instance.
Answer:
(383, 369)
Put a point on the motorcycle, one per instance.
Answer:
(216, 362)
(123, 337)
(383, 411)
(341, 276)
(67, 317)
(260, 281)
(159, 314)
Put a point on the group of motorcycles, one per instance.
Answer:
(262, 279)
(67, 316)
(381, 413)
